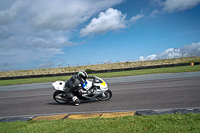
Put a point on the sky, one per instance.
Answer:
(60, 33)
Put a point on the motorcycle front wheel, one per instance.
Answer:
(59, 97)
(106, 96)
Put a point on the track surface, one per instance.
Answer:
(158, 93)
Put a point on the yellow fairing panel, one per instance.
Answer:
(103, 82)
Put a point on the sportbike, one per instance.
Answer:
(95, 88)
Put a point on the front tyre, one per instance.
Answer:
(60, 97)
(106, 96)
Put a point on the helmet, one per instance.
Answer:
(82, 75)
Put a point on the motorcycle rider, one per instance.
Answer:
(73, 83)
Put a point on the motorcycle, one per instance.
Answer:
(92, 89)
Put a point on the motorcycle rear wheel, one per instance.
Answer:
(58, 96)
(108, 95)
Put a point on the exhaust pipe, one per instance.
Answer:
(61, 98)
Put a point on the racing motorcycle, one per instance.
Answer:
(92, 89)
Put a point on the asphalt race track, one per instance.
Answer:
(155, 91)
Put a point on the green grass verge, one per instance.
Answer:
(130, 124)
(106, 75)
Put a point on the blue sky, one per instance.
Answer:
(46, 33)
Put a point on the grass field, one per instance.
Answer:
(173, 123)
(105, 75)
(108, 66)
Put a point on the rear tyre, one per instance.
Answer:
(60, 97)
(106, 96)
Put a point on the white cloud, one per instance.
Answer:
(169, 53)
(193, 48)
(141, 58)
(154, 13)
(186, 50)
(172, 6)
(65, 14)
(156, 2)
(150, 57)
(9, 14)
(110, 20)
(179, 5)
(39, 30)
(137, 17)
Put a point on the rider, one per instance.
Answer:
(73, 83)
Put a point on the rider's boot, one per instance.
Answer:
(76, 100)
(71, 96)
